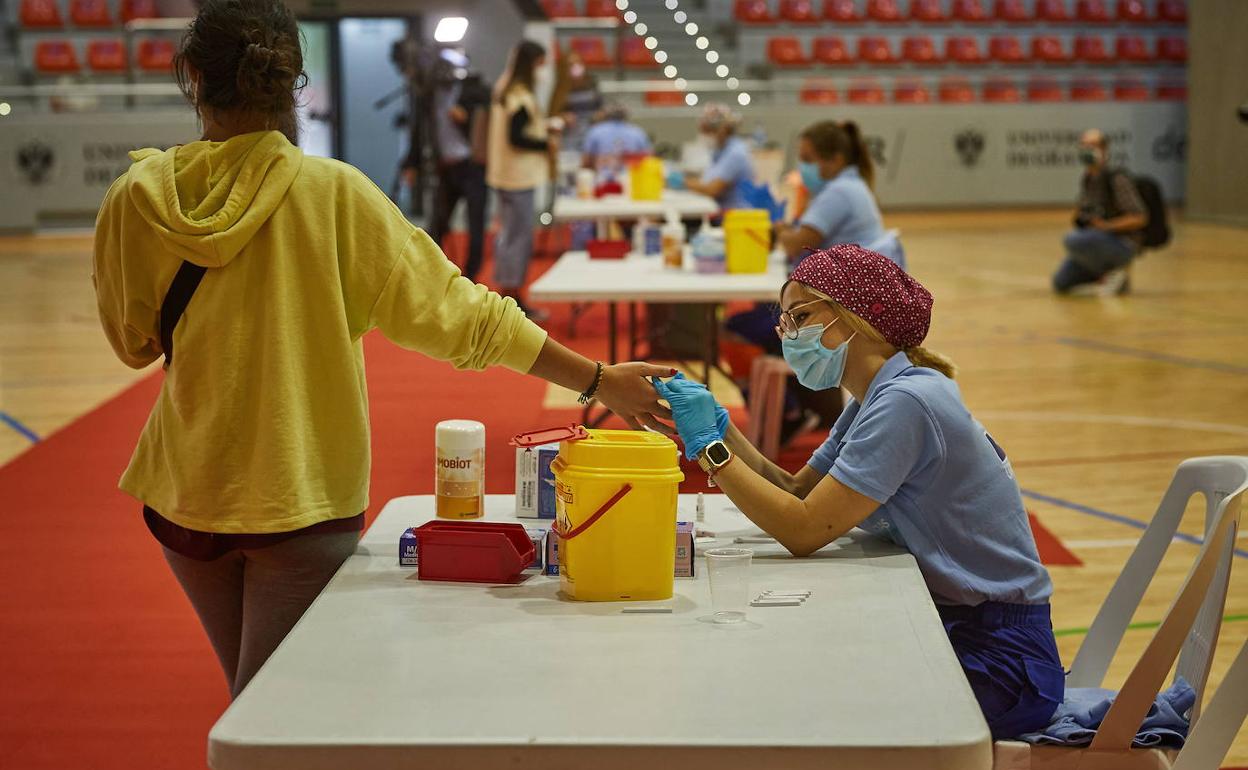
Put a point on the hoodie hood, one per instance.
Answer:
(207, 199)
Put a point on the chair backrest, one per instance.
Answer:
(1223, 482)
(1211, 737)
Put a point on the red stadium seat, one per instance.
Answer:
(956, 91)
(832, 50)
(1172, 92)
(819, 95)
(665, 98)
(1172, 11)
(1044, 90)
(1049, 50)
(1013, 11)
(601, 9)
(55, 57)
(911, 92)
(927, 10)
(633, 53)
(156, 55)
(971, 11)
(1007, 50)
(1131, 49)
(841, 11)
(1001, 90)
(90, 13)
(1092, 11)
(1053, 11)
(1131, 90)
(963, 50)
(1092, 50)
(1088, 91)
(41, 13)
(865, 92)
(786, 52)
(920, 50)
(884, 11)
(592, 50)
(106, 56)
(1133, 11)
(560, 9)
(875, 50)
(1172, 49)
(798, 11)
(753, 12)
(138, 9)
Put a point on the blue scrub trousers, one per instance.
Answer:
(1010, 658)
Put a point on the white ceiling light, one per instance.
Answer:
(641, 28)
(669, 71)
(722, 70)
(680, 17)
(743, 98)
(630, 17)
(671, 4)
(712, 57)
(691, 99)
(651, 43)
(5, 109)
(702, 43)
(680, 83)
(732, 82)
(660, 56)
(691, 28)
(621, 4)
(450, 29)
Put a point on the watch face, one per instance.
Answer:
(717, 453)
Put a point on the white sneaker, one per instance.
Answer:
(1113, 283)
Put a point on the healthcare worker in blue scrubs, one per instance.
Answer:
(905, 461)
(731, 163)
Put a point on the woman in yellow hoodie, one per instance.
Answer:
(253, 467)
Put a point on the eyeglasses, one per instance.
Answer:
(788, 326)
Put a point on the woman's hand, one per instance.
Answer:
(698, 416)
(626, 391)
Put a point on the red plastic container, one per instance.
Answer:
(607, 249)
(473, 551)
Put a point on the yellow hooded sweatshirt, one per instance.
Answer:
(262, 420)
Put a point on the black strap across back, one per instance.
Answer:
(176, 299)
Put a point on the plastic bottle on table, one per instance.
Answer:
(673, 242)
(459, 468)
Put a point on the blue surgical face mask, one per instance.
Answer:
(817, 367)
(811, 178)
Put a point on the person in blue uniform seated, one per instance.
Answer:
(906, 461)
(731, 162)
(612, 138)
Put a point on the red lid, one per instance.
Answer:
(533, 438)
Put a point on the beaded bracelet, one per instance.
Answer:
(585, 397)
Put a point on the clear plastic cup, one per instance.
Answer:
(729, 571)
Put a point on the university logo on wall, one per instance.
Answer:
(969, 145)
(35, 160)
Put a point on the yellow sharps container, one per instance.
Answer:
(615, 511)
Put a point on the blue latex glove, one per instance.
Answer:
(675, 180)
(759, 197)
(695, 412)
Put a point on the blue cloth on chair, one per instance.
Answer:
(1076, 721)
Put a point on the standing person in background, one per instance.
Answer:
(731, 163)
(521, 154)
(460, 113)
(1108, 220)
(253, 467)
(612, 138)
(836, 170)
(577, 100)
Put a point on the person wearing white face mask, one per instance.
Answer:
(731, 163)
(905, 461)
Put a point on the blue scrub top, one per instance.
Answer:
(844, 211)
(615, 137)
(946, 490)
(732, 164)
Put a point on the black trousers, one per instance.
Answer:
(465, 179)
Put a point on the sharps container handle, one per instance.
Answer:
(598, 514)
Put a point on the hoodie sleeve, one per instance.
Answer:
(130, 319)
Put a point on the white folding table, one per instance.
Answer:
(682, 202)
(385, 671)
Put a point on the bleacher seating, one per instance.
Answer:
(1012, 11)
(841, 11)
(106, 56)
(1130, 90)
(1132, 11)
(560, 9)
(634, 54)
(832, 51)
(592, 50)
(1172, 49)
(90, 13)
(1092, 50)
(919, 49)
(1001, 90)
(929, 11)
(970, 11)
(753, 12)
(601, 9)
(1172, 11)
(55, 57)
(786, 52)
(1049, 50)
(1052, 11)
(1173, 92)
(1006, 49)
(156, 55)
(819, 92)
(798, 12)
(866, 92)
(956, 90)
(1131, 49)
(875, 50)
(138, 9)
(665, 99)
(41, 14)
(1092, 12)
(885, 11)
(1044, 90)
(911, 92)
(961, 49)
(1087, 90)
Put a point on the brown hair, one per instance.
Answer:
(243, 55)
(829, 138)
(523, 65)
(918, 355)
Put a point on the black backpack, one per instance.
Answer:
(1157, 232)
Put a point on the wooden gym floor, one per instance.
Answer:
(1096, 400)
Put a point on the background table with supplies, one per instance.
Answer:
(683, 202)
(385, 671)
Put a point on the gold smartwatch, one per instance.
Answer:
(713, 457)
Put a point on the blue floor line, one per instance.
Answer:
(1116, 518)
(16, 425)
(1151, 355)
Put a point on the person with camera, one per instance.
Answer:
(1109, 219)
